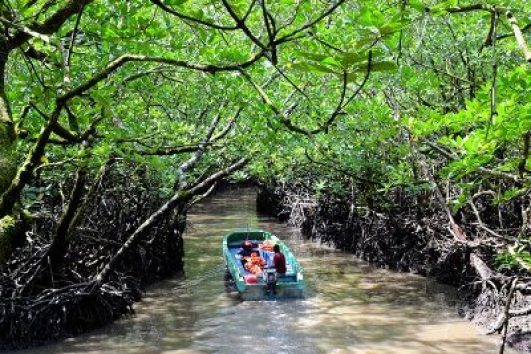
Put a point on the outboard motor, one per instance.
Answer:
(270, 278)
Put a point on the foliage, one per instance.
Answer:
(364, 98)
(514, 261)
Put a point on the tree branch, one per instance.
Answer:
(179, 198)
(71, 44)
(469, 8)
(120, 61)
(185, 17)
(25, 172)
(240, 23)
(192, 161)
(452, 156)
(50, 25)
(310, 24)
(520, 40)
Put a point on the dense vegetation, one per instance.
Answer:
(125, 113)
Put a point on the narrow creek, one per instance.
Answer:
(351, 307)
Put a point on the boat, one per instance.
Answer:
(254, 285)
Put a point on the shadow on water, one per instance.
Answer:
(350, 306)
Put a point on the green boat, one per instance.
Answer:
(255, 286)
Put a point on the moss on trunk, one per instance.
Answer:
(12, 229)
(8, 169)
(8, 233)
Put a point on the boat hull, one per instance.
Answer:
(291, 285)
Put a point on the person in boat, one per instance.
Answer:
(279, 262)
(254, 264)
(245, 251)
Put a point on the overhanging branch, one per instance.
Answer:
(120, 61)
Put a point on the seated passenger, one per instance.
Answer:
(245, 251)
(256, 259)
(254, 264)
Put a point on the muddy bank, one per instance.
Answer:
(408, 237)
(39, 304)
(388, 240)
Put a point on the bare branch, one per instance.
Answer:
(240, 23)
(186, 17)
(469, 8)
(192, 161)
(72, 40)
(519, 36)
(179, 198)
(341, 106)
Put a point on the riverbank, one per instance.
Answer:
(351, 306)
(38, 305)
(410, 240)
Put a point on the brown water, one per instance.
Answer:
(350, 306)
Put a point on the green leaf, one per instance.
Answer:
(391, 28)
(350, 58)
(441, 7)
(367, 40)
(312, 68)
(417, 5)
(199, 14)
(511, 194)
(313, 56)
(175, 2)
(371, 16)
(378, 66)
(331, 61)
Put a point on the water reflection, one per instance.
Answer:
(351, 307)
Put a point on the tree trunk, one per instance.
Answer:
(25, 172)
(180, 198)
(10, 225)
(61, 239)
(7, 129)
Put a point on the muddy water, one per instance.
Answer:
(350, 306)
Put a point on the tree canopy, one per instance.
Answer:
(375, 94)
